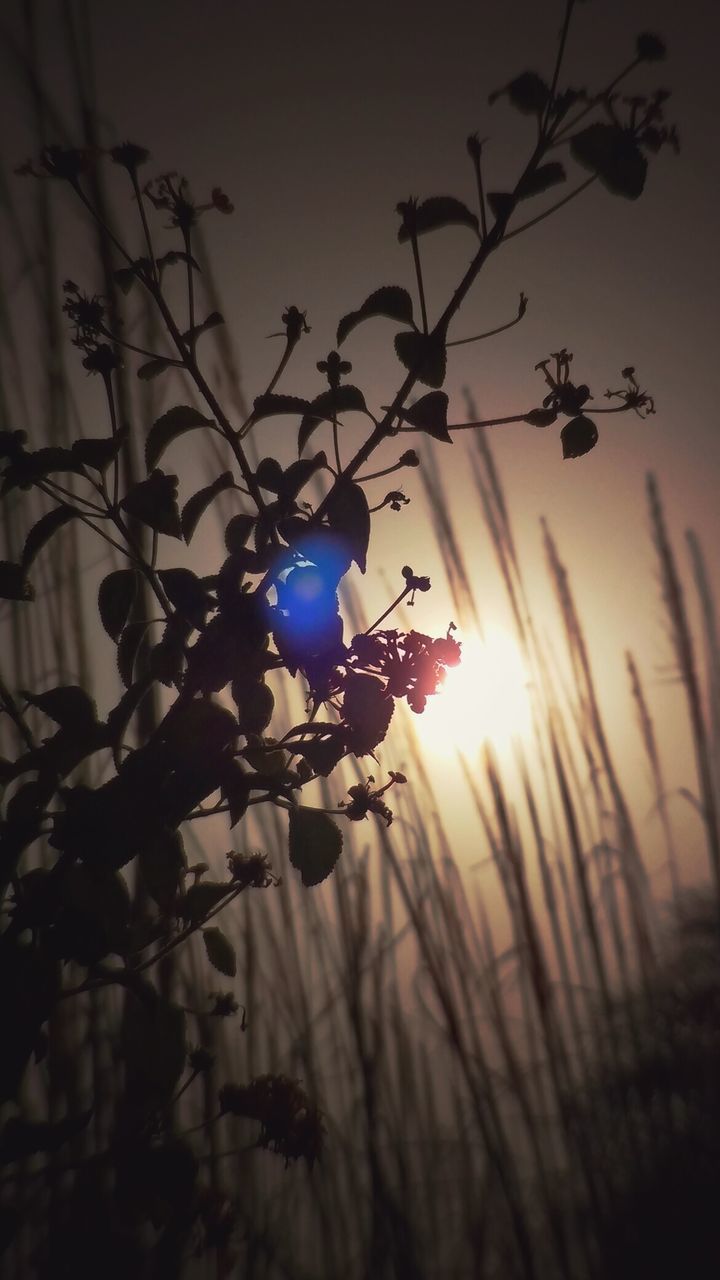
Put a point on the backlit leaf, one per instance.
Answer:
(429, 414)
(349, 518)
(152, 368)
(186, 593)
(115, 600)
(43, 531)
(68, 705)
(528, 93)
(202, 898)
(438, 211)
(315, 844)
(13, 583)
(197, 505)
(541, 179)
(154, 502)
(220, 952)
(343, 399)
(612, 154)
(167, 428)
(423, 354)
(578, 437)
(98, 453)
(391, 301)
(271, 406)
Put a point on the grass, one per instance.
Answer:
(517, 1065)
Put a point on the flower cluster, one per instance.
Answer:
(365, 798)
(413, 665)
(289, 1122)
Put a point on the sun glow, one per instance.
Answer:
(484, 699)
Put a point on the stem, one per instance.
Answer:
(405, 592)
(490, 333)
(418, 273)
(524, 226)
(558, 63)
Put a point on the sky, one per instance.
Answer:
(317, 119)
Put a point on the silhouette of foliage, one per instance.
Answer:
(271, 606)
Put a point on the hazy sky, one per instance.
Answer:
(317, 118)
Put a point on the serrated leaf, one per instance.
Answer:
(367, 711)
(238, 531)
(197, 505)
(43, 531)
(220, 952)
(154, 502)
(186, 593)
(99, 453)
(429, 414)
(390, 301)
(172, 424)
(235, 790)
(128, 647)
(424, 355)
(269, 474)
(343, 399)
(152, 368)
(315, 844)
(198, 733)
(115, 600)
(272, 406)
(201, 898)
(349, 518)
(68, 705)
(578, 436)
(541, 179)
(436, 212)
(296, 476)
(612, 154)
(13, 583)
(174, 256)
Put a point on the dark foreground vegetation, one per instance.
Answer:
(369, 1083)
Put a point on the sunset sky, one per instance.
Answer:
(317, 118)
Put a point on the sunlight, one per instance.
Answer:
(485, 699)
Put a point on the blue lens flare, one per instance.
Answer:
(306, 612)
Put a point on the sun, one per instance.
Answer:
(484, 699)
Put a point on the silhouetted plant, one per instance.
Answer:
(271, 606)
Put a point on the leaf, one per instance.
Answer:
(540, 417)
(296, 476)
(367, 711)
(115, 600)
(349, 518)
(154, 502)
(43, 531)
(154, 367)
(68, 705)
(612, 154)
(211, 322)
(269, 474)
(315, 844)
(197, 505)
(272, 406)
(174, 256)
(172, 424)
(13, 583)
(501, 204)
(438, 211)
(220, 952)
(424, 355)
(528, 93)
(201, 898)
(429, 414)
(578, 437)
(186, 593)
(198, 734)
(129, 644)
(162, 865)
(238, 531)
(344, 399)
(541, 179)
(391, 301)
(98, 453)
(235, 790)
